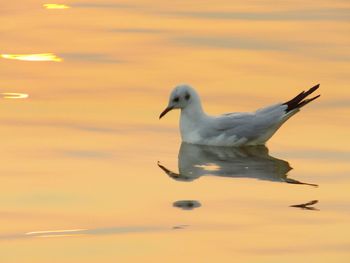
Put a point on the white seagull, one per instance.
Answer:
(231, 129)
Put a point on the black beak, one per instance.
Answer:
(165, 111)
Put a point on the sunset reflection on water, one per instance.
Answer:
(33, 57)
(13, 95)
(56, 6)
(80, 153)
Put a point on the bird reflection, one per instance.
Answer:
(187, 204)
(307, 206)
(195, 161)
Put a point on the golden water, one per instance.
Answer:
(80, 144)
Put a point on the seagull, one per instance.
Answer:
(231, 129)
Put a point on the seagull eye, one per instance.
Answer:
(188, 96)
(176, 99)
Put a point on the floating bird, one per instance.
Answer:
(231, 129)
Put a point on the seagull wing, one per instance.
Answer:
(251, 125)
(257, 127)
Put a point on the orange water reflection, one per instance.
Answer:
(33, 57)
(54, 233)
(83, 151)
(55, 6)
(14, 95)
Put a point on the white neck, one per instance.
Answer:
(190, 121)
(194, 110)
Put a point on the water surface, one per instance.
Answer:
(89, 173)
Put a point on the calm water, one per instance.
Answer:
(89, 174)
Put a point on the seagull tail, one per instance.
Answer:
(300, 100)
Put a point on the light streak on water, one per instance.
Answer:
(56, 6)
(33, 57)
(14, 95)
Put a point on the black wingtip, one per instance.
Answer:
(304, 102)
(315, 87)
(298, 101)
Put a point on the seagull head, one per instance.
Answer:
(181, 97)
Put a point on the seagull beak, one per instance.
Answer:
(165, 111)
